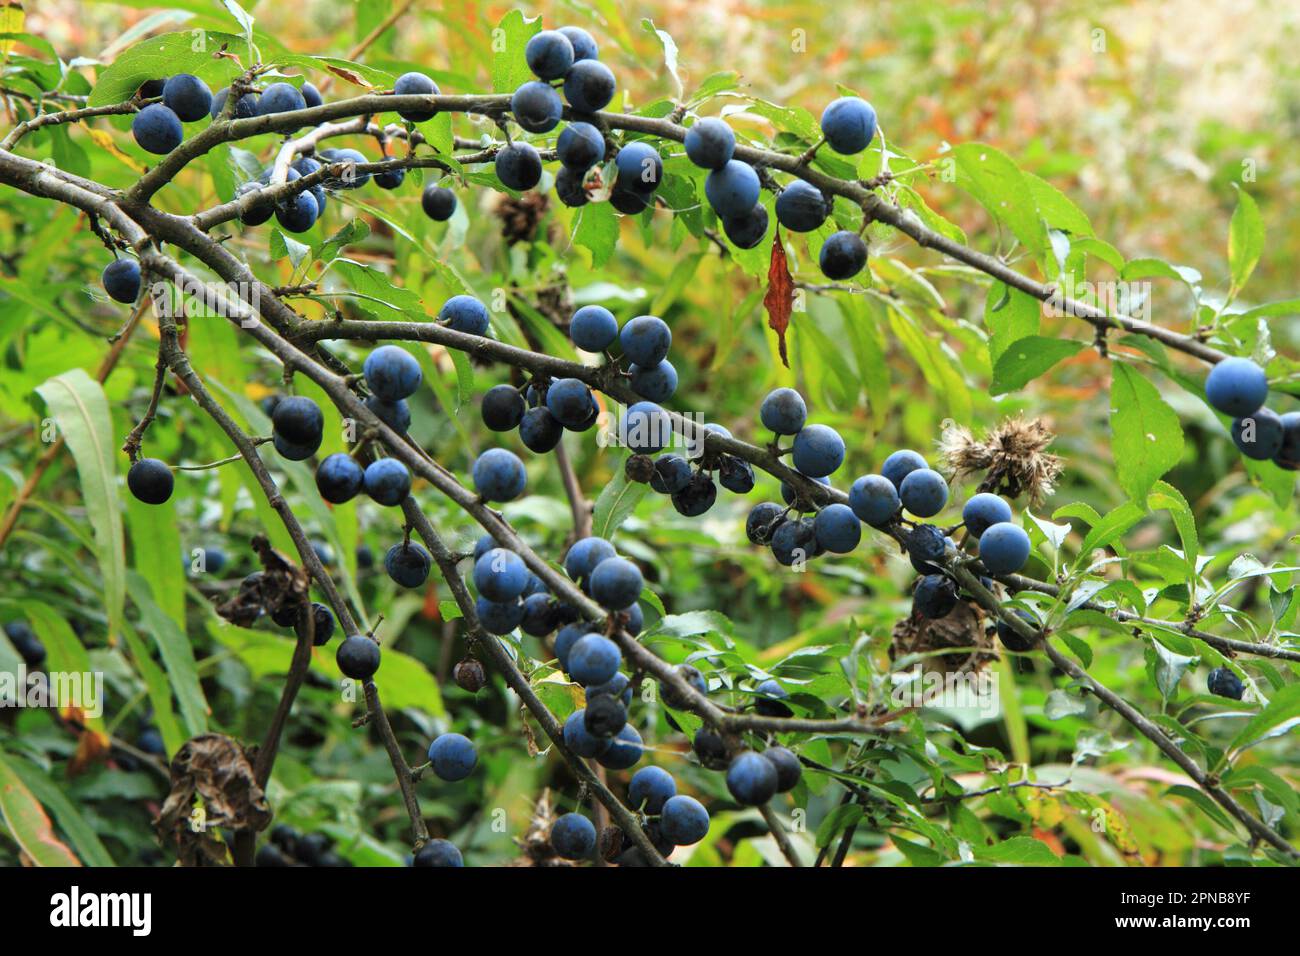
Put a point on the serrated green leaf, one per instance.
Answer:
(1146, 436)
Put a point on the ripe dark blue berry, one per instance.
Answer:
(646, 340)
(358, 657)
(150, 480)
(1259, 434)
(627, 201)
(935, 596)
(679, 701)
(848, 123)
(438, 202)
(537, 107)
(1011, 638)
(540, 615)
(121, 280)
(1222, 682)
(736, 475)
(837, 528)
(584, 45)
(650, 788)
(503, 408)
(297, 213)
(683, 820)
(769, 695)
(390, 178)
(794, 541)
(500, 575)
(818, 450)
(407, 564)
(843, 255)
(570, 186)
(616, 583)
(751, 780)
(1004, 548)
(518, 166)
(594, 659)
(339, 478)
(710, 143)
(311, 96)
(589, 86)
(624, 750)
(1236, 387)
(453, 757)
(549, 54)
(984, 510)
(800, 500)
(783, 411)
(187, 96)
(672, 474)
(901, 463)
(585, 555)
(640, 167)
(499, 617)
(580, 146)
(540, 431)
(788, 768)
(438, 853)
(415, 84)
(732, 190)
(580, 740)
(396, 415)
(594, 328)
(573, 837)
(499, 475)
(874, 499)
(464, 313)
(298, 420)
(244, 109)
(569, 401)
(924, 492)
(322, 624)
(281, 98)
(801, 207)
(387, 481)
(697, 497)
(748, 229)
(645, 428)
(926, 545)
(157, 129)
(764, 518)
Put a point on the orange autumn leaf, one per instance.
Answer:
(779, 300)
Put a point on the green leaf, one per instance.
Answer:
(177, 657)
(998, 185)
(670, 52)
(66, 815)
(597, 230)
(1020, 850)
(1026, 359)
(1284, 707)
(1245, 239)
(166, 55)
(353, 231)
(282, 247)
(159, 691)
(28, 824)
(156, 552)
(1146, 436)
(1010, 315)
(1169, 498)
(79, 406)
(1112, 526)
(509, 68)
(617, 500)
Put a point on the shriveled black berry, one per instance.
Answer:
(605, 716)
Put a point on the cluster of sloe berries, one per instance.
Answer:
(289, 847)
(1238, 387)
